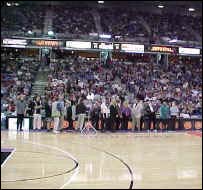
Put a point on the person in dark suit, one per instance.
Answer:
(113, 115)
(152, 114)
(146, 115)
(95, 114)
(48, 110)
(30, 108)
(118, 120)
(68, 115)
(81, 112)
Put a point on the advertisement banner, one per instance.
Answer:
(21, 42)
(78, 44)
(47, 43)
(132, 48)
(163, 49)
(189, 51)
(102, 45)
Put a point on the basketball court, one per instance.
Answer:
(105, 160)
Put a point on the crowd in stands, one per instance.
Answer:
(17, 76)
(180, 82)
(174, 26)
(119, 22)
(21, 19)
(73, 20)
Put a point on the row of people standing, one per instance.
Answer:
(56, 110)
(113, 116)
(117, 116)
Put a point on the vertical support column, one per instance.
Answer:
(50, 54)
(40, 54)
(100, 58)
(166, 60)
(158, 58)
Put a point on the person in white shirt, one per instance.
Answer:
(174, 111)
(137, 113)
(133, 115)
(104, 114)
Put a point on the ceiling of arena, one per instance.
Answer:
(178, 5)
(120, 3)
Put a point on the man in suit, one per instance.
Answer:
(81, 112)
(95, 113)
(69, 114)
(113, 115)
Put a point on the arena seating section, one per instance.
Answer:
(117, 22)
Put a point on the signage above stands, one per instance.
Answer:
(14, 42)
(163, 49)
(132, 48)
(189, 51)
(48, 43)
(102, 45)
(99, 46)
(78, 44)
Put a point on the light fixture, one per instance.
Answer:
(191, 9)
(173, 41)
(118, 37)
(29, 32)
(105, 36)
(100, 2)
(16, 4)
(160, 6)
(8, 4)
(93, 34)
(50, 33)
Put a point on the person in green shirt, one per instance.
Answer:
(164, 114)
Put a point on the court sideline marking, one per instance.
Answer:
(12, 152)
(60, 150)
(58, 174)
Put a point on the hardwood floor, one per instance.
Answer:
(106, 160)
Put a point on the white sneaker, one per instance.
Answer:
(54, 131)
